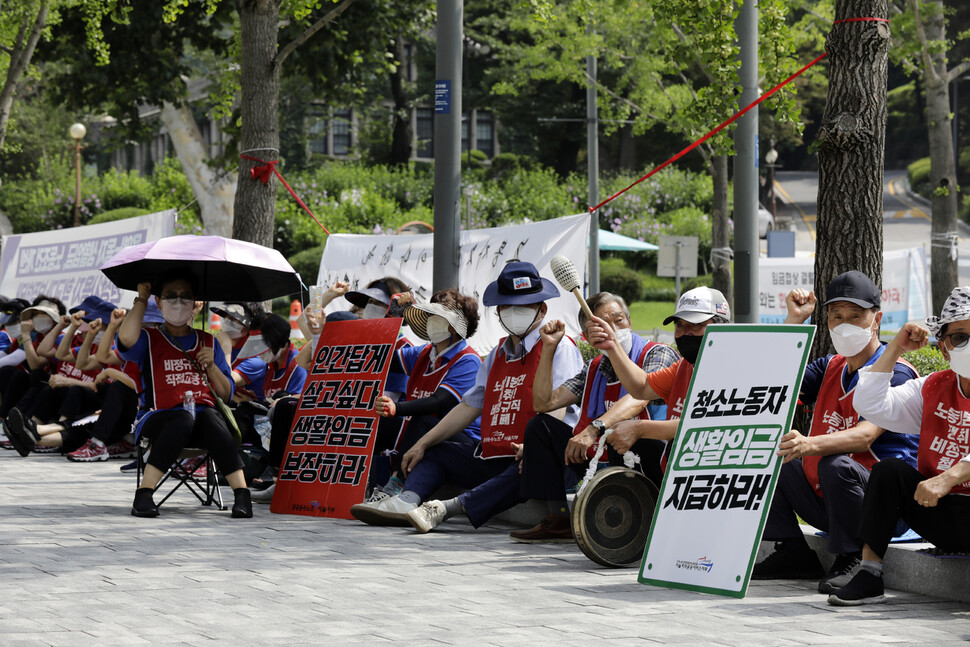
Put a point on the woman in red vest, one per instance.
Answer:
(933, 497)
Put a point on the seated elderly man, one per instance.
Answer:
(502, 396)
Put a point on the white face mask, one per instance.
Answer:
(177, 314)
(625, 337)
(960, 361)
(437, 328)
(372, 311)
(232, 328)
(42, 323)
(518, 319)
(267, 355)
(13, 331)
(849, 340)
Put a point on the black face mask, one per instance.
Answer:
(689, 346)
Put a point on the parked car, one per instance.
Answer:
(766, 221)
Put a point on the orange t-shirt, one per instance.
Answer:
(662, 381)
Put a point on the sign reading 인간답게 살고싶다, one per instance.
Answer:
(328, 455)
(721, 474)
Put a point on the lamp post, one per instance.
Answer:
(770, 158)
(78, 131)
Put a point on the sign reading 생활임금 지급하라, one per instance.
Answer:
(721, 474)
(328, 454)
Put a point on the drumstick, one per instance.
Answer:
(568, 278)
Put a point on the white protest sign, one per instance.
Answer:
(721, 474)
(361, 258)
(905, 289)
(66, 263)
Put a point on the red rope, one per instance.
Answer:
(262, 173)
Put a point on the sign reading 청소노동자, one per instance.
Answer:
(721, 474)
(328, 455)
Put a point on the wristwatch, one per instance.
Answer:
(599, 426)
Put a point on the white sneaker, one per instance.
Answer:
(377, 495)
(427, 516)
(391, 511)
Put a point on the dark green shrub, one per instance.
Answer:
(307, 263)
(659, 294)
(117, 214)
(919, 176)
(927, 360)
(622, 281)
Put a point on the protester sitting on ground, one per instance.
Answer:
(175, 360)
(237, 318)
(438, 375)
(502, 395)
(550, 444)
(932, 498)
(824, 474)
(377, 301)
(13, 357)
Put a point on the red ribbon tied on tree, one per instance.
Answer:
(262, 173)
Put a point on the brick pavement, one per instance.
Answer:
(76, 569)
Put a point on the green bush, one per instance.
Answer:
(117, 214)
(586, 350)
(120, 189)
(623, 282)
(307, 263)
(919, 176)
(659, 294)
(927, 360)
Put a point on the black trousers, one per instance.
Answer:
(889, 498)
(172, 430)
(117, 415)
(280, 426)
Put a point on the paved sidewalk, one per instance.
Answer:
(77, 569)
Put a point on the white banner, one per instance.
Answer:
(361, 258)
(905, 289)
(65, 263)
(721, 475)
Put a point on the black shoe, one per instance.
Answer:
(864, 588)
(144, 505)
(266, 479)
(790, 561)
(23, 441)
(242, 507)
(841, 572)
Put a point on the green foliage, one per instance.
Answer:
(927, 360)
(124, 189)
(587, 351)
(621, 281)
(919, 176)
(307, 263)
(117, 214)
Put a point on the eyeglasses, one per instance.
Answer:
(957, 339)
(182, 299)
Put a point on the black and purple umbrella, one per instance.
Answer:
(227, 269)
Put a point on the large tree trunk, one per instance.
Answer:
(214, 194)
(721, 229)
(28, 34)
(401, 134)
(943, 264)
(255, 203)
(851, 151)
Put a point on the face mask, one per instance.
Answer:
(13, 331)
(372, 311)
(960, 361)
(625, 337)
(518, 319)
(267, 355)
(232, 328)
(849, 340)
(437, 328)
(689, 347)
(98, 337)
(176, 314)
(42, 323)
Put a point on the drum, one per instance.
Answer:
(612, 515)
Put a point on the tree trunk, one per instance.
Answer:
(23, 51)
(401, 133)
(851, 152)
(214, 194)
(255, 203)
(721, 229)
(943, 265)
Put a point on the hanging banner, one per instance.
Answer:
(360, 259)
(328, 455)
(905, 288)
(722, 471)
(66, 263)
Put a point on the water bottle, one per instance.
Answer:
(188, 403)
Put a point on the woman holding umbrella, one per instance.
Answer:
(183, 371)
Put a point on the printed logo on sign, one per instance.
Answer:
(521, 283)
(702, 564)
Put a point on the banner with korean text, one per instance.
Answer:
(66, 263)
(360, 259)
(721, 474)
(328, 455)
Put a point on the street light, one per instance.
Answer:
(77, 131)
(770, 158)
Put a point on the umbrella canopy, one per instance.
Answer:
(610, 241)
(227, 269)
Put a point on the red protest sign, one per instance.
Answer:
(328, 454)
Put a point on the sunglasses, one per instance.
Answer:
(957, 339)
(183, 299)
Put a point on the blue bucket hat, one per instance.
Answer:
(94, 307)
(519, 283)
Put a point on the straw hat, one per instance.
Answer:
(416, 314)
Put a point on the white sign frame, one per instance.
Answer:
(669, 263)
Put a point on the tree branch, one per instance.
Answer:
(932, 78)
(619, 98)
(6, 50)
(955, 73)
(311, 30)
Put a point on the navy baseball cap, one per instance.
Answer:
(519, 283)
(855, 287)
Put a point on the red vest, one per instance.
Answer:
(70, 369)
(169, 374)
(944, 435)
(271, 384)
(508, 403)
